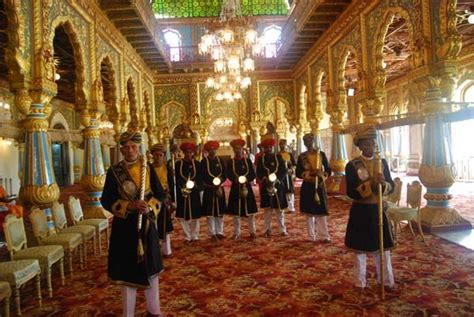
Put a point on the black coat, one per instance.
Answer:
(238, 205)
(213, 204)
(288, 180)
(165, 223)
(123, 266)
(266, 165)
(308, 204)
(188, 207)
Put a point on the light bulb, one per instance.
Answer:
(350, 92)
(249, 65)
(219, 96)
(251, 36)
(57, 76)
(470, 19)
(210, 82)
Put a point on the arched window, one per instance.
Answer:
(468, 94)
(173, 39)
(271, 39)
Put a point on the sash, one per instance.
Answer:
(127, 188)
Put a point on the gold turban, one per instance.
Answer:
(157, 148)
(367, 133)
(135, 137)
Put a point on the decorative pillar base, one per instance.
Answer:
(435, 219)
(335, 185)
(93, 208)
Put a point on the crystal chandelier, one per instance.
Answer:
(231, 42)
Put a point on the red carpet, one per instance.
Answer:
(280, 277)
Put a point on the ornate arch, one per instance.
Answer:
(273, 116)
(58, 117)
(172, 114)
(242, 109)
(317, 100)
(133, 107)
(17, 64)
(147, 108)
(78, 51)
(112, 110)
(380, 75)
(342, 63)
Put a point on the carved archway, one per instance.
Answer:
(171, 115)
(65, 39)
(133, 107)
(276, 111)
(107, 77)
(58, 119)
(319, 99)
(395, 20)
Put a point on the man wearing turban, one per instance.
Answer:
(188, 184)
(128, 264)
(212, 170)
(272, 194)
(288, 181)
(242, 202)
(313, 166)
(362, 228)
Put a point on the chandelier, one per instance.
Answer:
(231, 42)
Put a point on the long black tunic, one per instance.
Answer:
(290, 164)
(188, 207)
(308, 204)
(165, 223)
(272, 163)
(123, 266)
(362, 232)
(212, 204)
(238, 205)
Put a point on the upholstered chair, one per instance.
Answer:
(18, 273)
(47, 255)
(409, 213)
(69, 241)
(5, 293)
(100, 224)
(393, 200)
(60, 223)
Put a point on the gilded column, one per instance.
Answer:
(93, 172)
(437, 171)
(38, 185)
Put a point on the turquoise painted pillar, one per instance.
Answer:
(437, 171)
(93, 172)
(106, 156)
(38, 185)
(338, 159)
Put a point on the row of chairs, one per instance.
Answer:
(28, 263)
(411, 212)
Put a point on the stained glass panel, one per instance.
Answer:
(211, 8)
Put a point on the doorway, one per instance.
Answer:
(60, 157)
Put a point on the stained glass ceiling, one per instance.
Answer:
(211, 8)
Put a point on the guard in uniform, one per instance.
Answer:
(288, 181)
(271, 169)
(242, 202)
(313, 168)
(134, 255)
(362, 234)
(213, 204)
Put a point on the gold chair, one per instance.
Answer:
(60, 223)
(17, 274)
(47, 255)
(409, 213)
(101, 225)
(69, 241)
(393, 200)
(5, 294)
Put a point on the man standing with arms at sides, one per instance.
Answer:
(241, 198)
(213, 204)
(132, 193)
(165, 224)
(271, 170)
(188, 201)
(362, 234)
(313, 168)
(290, 164)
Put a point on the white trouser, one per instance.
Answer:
(320, 231)
(290, 197)
(166, 245)
(251, 225)
(268, 220)
(215, 225)
(152, 295)
(190, 229)
(360, 265)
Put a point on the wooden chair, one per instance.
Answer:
(101, 225)
(409, 213)
(17, 274)
(393, 200)
(5, 294)
(69, 241)
(47, 255)
(60, 223)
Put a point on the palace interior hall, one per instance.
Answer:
(76, 74)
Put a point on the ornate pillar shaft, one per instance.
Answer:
(93, 173)
(437, 171)
(105, 156)
(38, 185)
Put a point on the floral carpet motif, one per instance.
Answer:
(279, 276)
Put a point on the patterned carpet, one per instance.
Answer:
(280, 276)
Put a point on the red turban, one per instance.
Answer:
(211, 145)
(268, 142)
(237, 142)
(187, 146)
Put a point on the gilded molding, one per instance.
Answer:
(93, 183)
(42, 196)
